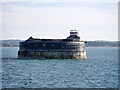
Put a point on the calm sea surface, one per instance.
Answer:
(99, 70)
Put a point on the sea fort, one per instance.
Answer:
(70, 48)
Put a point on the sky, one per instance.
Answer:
(53, 19)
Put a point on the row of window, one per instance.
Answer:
(52, 45)
(42, 46)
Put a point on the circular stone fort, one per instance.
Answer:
(70, 48)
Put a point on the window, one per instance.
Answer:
(44, 45)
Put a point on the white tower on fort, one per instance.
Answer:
(73, 32)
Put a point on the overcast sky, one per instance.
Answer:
(94, 19)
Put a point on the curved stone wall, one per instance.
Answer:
(52, 50)
(48, 46)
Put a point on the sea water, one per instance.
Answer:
(99, 70)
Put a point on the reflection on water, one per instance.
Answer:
(99, 70)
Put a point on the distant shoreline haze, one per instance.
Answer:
(97, 43)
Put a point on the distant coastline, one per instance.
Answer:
(15, 43)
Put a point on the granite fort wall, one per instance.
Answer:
(53, 54)
(52, 50)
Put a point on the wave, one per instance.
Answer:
(12, 58)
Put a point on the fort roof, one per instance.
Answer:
(73, 37)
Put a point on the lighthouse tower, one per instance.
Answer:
(74, 35)
(73, 32)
